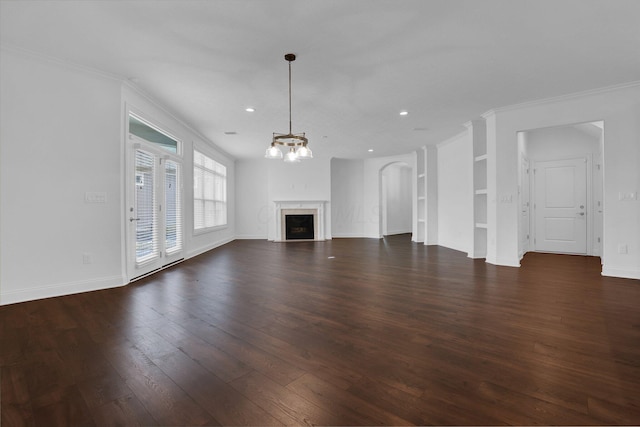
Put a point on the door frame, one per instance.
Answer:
(382, 198)
(589, 209)
(132, 143)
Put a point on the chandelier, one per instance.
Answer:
(297, 142)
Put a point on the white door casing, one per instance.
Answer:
(525, 206)
(560, 206)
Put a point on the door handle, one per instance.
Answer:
(134, 219)
(581, 214)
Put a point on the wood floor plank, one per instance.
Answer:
(160, 395)
(342, 332)
(342, 403)
(124, 411)
(16, 409)
(219, 399)
(289, 408)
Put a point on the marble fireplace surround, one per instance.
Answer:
(300, 207)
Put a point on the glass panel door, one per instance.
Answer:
(154, 214)
(173, 211)
(146, 218)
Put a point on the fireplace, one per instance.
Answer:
(300, 220)
(299, 227)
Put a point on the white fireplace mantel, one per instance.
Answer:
(291, 207)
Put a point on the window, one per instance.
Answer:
(209, 192)
(148, 132)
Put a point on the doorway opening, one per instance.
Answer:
(561, 189)
(396, 199)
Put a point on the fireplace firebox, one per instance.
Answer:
(299, 227)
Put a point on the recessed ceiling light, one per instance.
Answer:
(231, 133)
(404, 113)
(249, 109)
(370, 150)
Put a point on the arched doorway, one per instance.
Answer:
(561, 196)
(396, 199)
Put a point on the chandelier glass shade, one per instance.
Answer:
(297, 143)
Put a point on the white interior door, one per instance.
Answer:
(560, 206)
(154, 216)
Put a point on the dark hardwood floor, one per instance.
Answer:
(345, 332)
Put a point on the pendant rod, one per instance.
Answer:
(290, 97)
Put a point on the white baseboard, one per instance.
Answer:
(348, 236)
(201, 250)
(61, 289)
(251, 237)
(394, 232)
(505, 262)
(620, 272)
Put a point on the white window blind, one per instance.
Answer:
(146, 208)
(209, 192)
(173, 211)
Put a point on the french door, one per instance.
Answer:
(154, 212)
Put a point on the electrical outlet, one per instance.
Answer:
(623, 249)
(86, 258)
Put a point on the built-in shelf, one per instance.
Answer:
(478, 135)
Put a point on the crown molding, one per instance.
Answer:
(42, 57)
(560, 98)
(473, 122)
(452, 139)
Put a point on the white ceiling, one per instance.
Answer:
(360, 62)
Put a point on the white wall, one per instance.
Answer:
(619, 108)
(252, 199)
(307, 180)
(455, 193)
(263, 181)
(60, 138)
(564, 142)
(398, 198)
(347, 198)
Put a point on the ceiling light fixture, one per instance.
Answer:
(297, 143)
(249, 109)
(404, 113)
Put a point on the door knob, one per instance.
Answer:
(581, 214)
